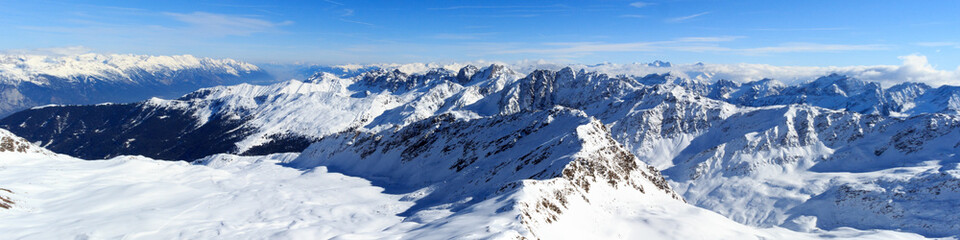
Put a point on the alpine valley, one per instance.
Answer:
(472, 152)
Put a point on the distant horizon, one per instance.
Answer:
(809, 33)
(913, 68)
(81, 50)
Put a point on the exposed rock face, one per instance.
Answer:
(13, 144)
(5, 202)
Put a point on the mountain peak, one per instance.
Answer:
(659, 63)
(560, 155)
(466, 74)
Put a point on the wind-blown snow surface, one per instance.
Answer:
(33, 80)
(233, 197)
(58, 197)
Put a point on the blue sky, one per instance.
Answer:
(810, 33)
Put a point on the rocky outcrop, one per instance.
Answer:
(560, 154)
(5, 202)
(11, 143)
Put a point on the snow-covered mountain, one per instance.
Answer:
(587, 186)
(832, 153)
(303, 71)
(534, 165)
(34, 80)
(844, 93)
(251, 119)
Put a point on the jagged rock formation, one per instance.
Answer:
(556, 156)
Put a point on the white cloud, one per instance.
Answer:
(685, 18)
(225, 25)
(357, 22)
(639, 4)
(939, 44)
(633, 16)
(58, 51)
(333, 2)
(916, 68)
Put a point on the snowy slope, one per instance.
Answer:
(10, 143)
(238, 198)
(755, 165)
(554, 174)
(772, 159)
(803, 153)
(232, 197)
(34, 80)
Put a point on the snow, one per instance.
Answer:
(622, 216)
(307, 108)
(556, 155)
(231, 197)
(262, 197)
(327, 104)
(914, 68)
(106, 67)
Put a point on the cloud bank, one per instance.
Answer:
(56, 52)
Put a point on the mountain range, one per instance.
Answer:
(491, 152)
(35, 80)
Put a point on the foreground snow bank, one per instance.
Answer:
(231, 198)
